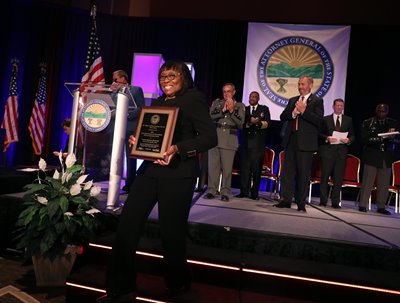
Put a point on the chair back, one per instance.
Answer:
(352, 170)
(281, 154)
(268, 162)
(236, 163)
(396, 173)
(316, 167)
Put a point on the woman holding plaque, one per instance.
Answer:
(170, 182)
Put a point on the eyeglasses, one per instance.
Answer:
(170, 77)
(119, 82)
(227, 91)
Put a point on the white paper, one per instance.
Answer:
(338, 136)
(388, 134)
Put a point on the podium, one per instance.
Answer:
(98, 132)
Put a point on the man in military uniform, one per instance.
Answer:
(228, 115)
(378, 156)
(257, 119)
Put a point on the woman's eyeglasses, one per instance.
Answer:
(169, 77)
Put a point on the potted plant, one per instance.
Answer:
(60, 216)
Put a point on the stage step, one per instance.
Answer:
(232, 273)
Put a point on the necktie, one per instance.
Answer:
(295, 123)
(253, 110)
(337, 126)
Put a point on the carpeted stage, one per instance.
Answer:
(257, 250)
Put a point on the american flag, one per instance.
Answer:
(10, 119)
(93, 65)
(93, 70)
(38, 117)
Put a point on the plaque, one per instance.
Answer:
(154, 131)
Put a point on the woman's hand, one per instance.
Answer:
(168, 155)
(131, 140)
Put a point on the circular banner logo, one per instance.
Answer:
(95, 116)
(285, 60)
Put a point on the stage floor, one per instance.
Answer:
(346, 225)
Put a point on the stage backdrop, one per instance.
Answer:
(277, 54)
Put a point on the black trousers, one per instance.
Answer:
(250, 170)
(296, 172)
(174, 197)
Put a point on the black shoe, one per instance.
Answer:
(224, 198)
(254, 197)
(124, 298)
(209, 196)
(302, 209)
(362, 209)
(282, 205)
(241, 195)
(383, 211)
(337, 206)
(322, 204)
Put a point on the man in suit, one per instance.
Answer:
(378, 156)
(136, 97)
(257, 119)
(228, 116)
(333, 152)
(304, 114)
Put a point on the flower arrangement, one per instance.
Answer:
(60, 211)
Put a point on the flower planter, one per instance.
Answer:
(53, 272)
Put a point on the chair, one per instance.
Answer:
(351, 176)
(236, 164)
(395, 187)
(315, 176)
(267, 170)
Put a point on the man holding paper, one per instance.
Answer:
(378, 136)
(336, 134)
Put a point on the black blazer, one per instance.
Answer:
(253, 135)
(194, 133)
(376, 149)
(328, 127)
(309, 123)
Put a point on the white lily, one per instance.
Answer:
(42, 164)
(75, 190)
(94, 191)
(56, 175)
(42, 200)
(81, 179)
(88, 185)
(92, 211)
(71, 159)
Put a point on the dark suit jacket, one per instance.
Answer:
(377, 149)
(327, 128)
(309, 123)
(135, 93)
(194, 132)
(253, 135)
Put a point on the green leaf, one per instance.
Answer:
(64, 204)
(53, 207)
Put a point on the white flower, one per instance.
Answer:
(94, 191)
(69, 214)
(88, 185)
(42, 164)
(66, 177)
(42, 200)
(92, 211)
(71, 159)
(75, 189)
(81, 179)
(56, 175)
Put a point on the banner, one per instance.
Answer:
(277, 54)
